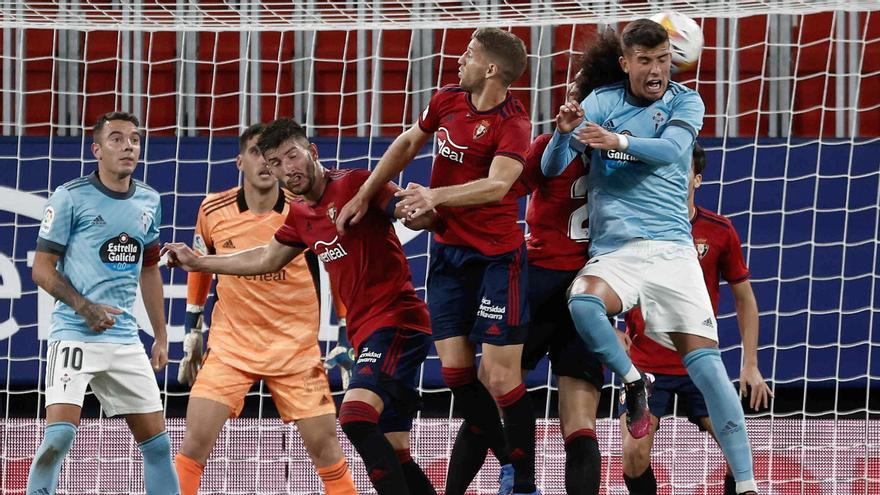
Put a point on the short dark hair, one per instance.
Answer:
(249, 133)
(278, 131)
(644, 32)
(699, 157)
(505, 50)
(600, 64)
(107, 117)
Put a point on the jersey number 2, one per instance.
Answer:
(577, 222)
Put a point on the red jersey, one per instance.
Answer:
(366, 265)
(557, 213)
(467, 142)
(720, 252)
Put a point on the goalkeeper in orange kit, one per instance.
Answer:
(263, 327)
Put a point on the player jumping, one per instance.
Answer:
(641, 131)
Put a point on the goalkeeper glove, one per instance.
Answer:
(341, 356)
(192, 345)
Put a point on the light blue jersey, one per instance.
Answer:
(100, 236)
(642, 192)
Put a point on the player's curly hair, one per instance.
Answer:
(107, 117)
(248, 134)
(506, 50)
(600, 63)
(278, 131)
(699, 159)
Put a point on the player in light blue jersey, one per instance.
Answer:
(640, 132)
(99, 238)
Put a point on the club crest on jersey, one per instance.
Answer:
(702, 246)
(481, 129)
(331, 212)
(329, 251)
(121, 253)
(659, 119)
(447, 147)
(146, 220)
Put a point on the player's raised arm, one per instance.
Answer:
(398, 155)
(676, 140)
(417, 200)
(257, 261)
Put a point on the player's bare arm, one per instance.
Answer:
(154, 302)
(416, 199)
(751, 382)
(395, 159)
(257, 261)
(98, 317)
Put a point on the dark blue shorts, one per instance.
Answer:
(387, 364)
(662, 400)
(551, 330)
(482, 297)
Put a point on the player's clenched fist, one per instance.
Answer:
(570, 116)
(179, 256)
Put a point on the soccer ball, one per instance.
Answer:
(685, 38)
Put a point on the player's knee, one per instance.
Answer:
(324, 449)
(578, 286)
(499, 380)
(358, 420)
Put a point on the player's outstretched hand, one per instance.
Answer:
(99, 316)
(416, 200)
(569, 117)
(159, 354)
(752, 384)
(352, 212)
(597, 137)
(179, 255)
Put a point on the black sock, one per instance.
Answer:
(583, 463)
(359, 421)
(644, 484)
(519, 424)
(483, 429)
(468, 455)
(416, 481)
(729, 485)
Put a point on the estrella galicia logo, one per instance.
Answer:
(121, 253)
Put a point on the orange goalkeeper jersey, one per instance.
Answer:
(263, 324)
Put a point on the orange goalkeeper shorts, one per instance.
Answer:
(297, 396)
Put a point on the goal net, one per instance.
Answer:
(792, 91)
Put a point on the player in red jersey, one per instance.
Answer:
(477, 276)
(557, 249)
(718, 247)
(387, 323)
